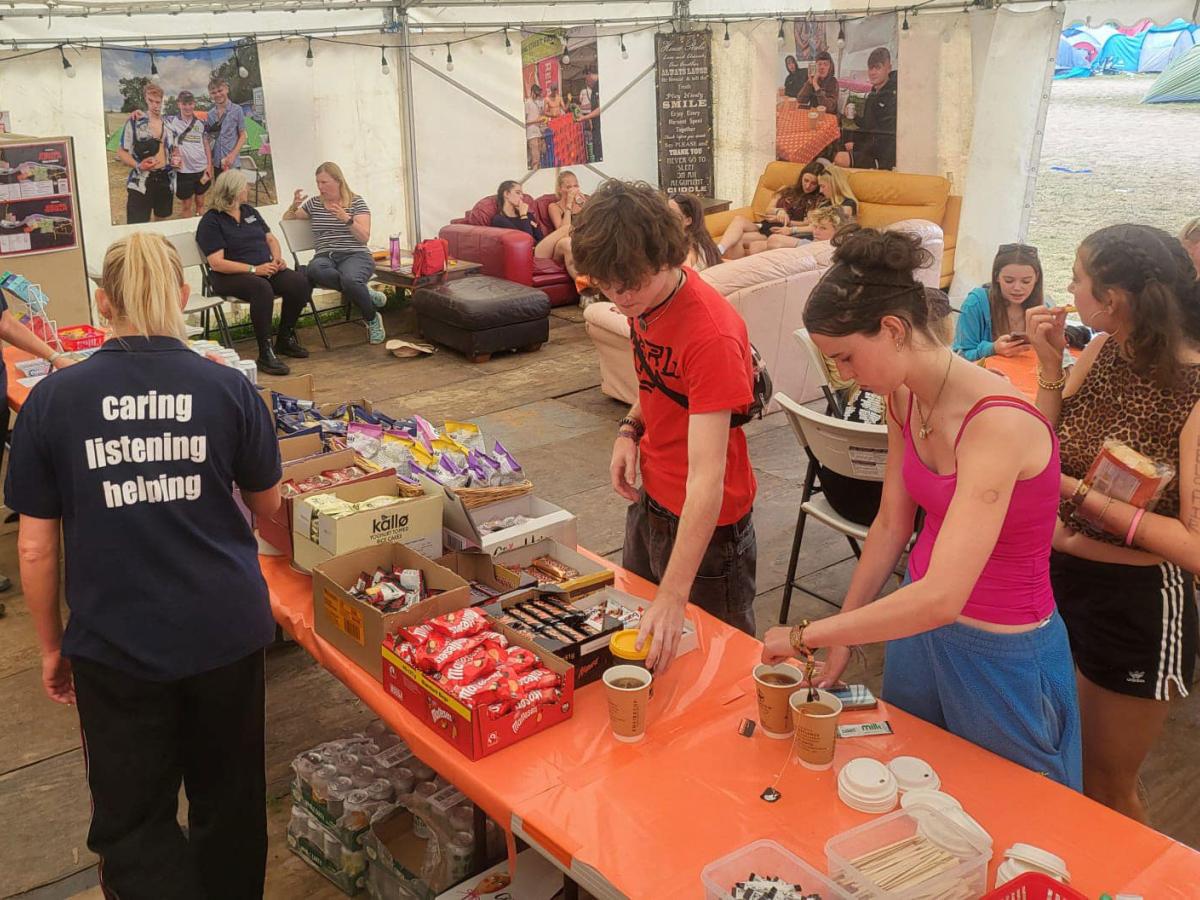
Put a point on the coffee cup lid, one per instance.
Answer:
(928, 799)
(624, 645)
(912, 773)
(1041, 859)
(867, 779)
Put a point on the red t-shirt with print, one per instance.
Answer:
(696, 345)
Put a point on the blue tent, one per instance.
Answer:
(1151, 51)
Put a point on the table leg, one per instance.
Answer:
(570, 889)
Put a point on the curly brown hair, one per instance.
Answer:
(625, 234)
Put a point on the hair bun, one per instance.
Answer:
(869, 248)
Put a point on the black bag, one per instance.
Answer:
(762, 388)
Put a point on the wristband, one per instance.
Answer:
(1053, 386)
(1133, 527)
(639, 427)
(53, 356)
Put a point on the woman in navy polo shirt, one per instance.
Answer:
(133, 454)
(245, 261)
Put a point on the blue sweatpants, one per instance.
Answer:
(1013, 694)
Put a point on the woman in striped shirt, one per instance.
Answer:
(341, 224)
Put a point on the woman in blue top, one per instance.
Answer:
(127, 462)
(992, 319)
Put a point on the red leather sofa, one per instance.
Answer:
(508, 254)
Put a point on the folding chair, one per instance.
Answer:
(254, 175)
(209, 293)
(835, 404)
(298, 235)
(201, 301)
(848, 448)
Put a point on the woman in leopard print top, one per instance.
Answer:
(1122, 576)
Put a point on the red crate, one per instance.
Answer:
(1034, 886)
(80, 337)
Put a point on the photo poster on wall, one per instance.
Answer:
(169, 134)
(683, 82)
(561, 91)
(37, 212)
(837, 100)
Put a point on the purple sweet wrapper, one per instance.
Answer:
(510, 469)
(479, 475)
(366, 429)
(416, 470)
(426, 433)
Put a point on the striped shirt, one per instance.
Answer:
(330, 233)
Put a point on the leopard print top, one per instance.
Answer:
(1115, 402)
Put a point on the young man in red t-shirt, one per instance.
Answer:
(689, 529)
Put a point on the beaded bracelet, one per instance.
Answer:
(1051, 385)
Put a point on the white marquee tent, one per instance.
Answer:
(423, 143)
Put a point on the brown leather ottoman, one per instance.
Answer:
(481, 315)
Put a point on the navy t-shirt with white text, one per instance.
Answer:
(137, 449)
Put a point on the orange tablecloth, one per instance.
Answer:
(1021, 370)
(799, 137)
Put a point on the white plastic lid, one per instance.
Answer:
(926, 798)
(867, 779)
(913, 774)
(1042, 859)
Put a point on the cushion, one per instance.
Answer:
(480, 301)
(768, 266)
(483, 211)
(887, 197)
(547, 271)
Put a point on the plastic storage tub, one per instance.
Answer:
(847, 855)
(770, 859)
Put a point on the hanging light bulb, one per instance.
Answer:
(384, 68)
(841, 38)
(68, 69)
(904, 27)
(566, 57)
(153, 66)
(449, 60)
(507, 43)
(242, 71)
(779, 36)
(726, 40)
(624, 52)
(308, 56)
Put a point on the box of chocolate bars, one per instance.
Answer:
(501, 526)
(578, 636)
(361, 596)
(488, 579)
(557, 569)
(628, 608)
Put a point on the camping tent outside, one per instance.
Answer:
(1150, 51)
(1180, 82)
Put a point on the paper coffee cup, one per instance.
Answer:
(774, 685)
(628, 689)
(816, 727)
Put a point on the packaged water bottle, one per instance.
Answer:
(394, 251)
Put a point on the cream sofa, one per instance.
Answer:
(770, 291)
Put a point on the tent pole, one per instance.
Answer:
(408, 130)
(433, 70)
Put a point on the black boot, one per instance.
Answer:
(287, 344)
(268, 362)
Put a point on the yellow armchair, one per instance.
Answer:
(883, 198)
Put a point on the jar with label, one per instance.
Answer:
(363, 775)
(418, 805)
(338, 791)
(322, 778)
(380, 790)
(460, 851)
(332, 851)
(356, 815)
(462, 819)
(403, 781)
(347, 762)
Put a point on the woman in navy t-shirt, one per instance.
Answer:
(134, 454)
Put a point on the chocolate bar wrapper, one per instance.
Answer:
(559, 570)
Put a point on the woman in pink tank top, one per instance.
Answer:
(974, 642)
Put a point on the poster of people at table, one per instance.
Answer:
(837, 99)
(561, 90)
(37, 213)
(174, 120)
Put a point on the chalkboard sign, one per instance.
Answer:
(683, 78)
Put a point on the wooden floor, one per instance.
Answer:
(546, 407)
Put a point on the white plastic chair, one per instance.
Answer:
(202, 302)
(299, 237)
(816, 361)
(254, 175)
(850, 449)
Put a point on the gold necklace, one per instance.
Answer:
(925, 431)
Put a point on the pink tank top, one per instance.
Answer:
(1014, 587)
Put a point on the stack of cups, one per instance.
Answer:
(628, 690)
(868, 785)
(815, 721)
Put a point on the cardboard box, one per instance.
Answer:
(471, 731)
(277, 529)
(395, 857)
(301, 445)
(477, 566)
(536, 878)
(415, 522)
(545, 521)
(592, 575)
(357, 628)
(688, 641)
(302, 387)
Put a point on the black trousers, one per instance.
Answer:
(292, 286)
(141, 740)
(725, 582)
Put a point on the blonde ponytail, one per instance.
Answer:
(142, 277)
